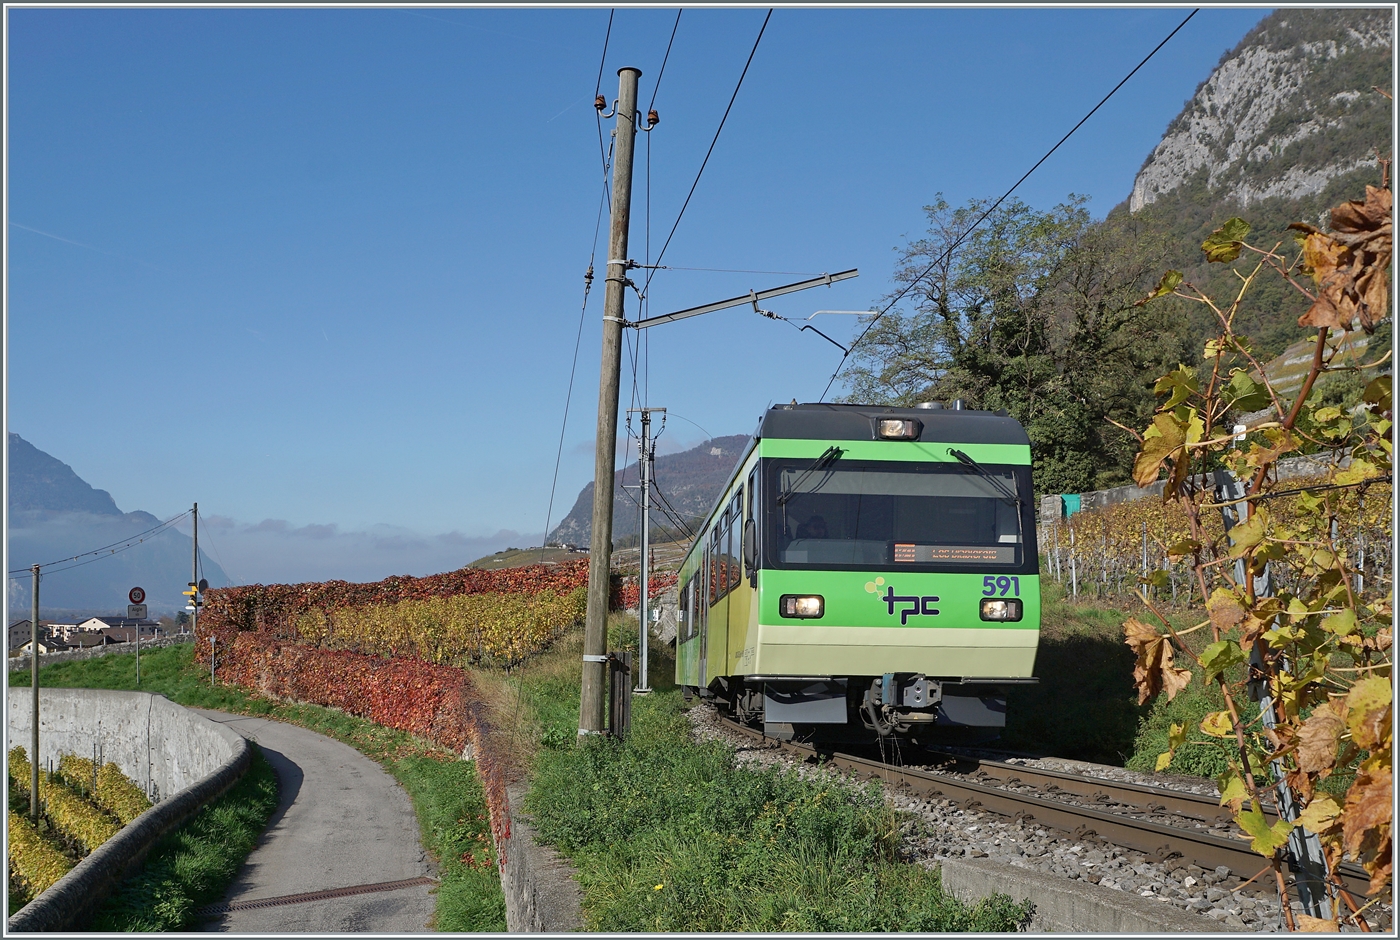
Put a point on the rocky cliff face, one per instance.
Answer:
(1289, 109)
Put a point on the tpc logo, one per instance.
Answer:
(918, 606)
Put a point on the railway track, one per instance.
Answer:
(1160, 823)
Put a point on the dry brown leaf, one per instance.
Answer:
(1225, 609)
(1153, 671)
(1308, 924)
(1374, 288)
(1355, 216)
(1350, 264)
(1318, 737)
(1366, 818)
(1301, 782)
(1324, 255)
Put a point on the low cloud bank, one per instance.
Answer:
(274, 551)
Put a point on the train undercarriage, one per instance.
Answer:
(838, 709)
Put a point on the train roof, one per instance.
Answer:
(955, 425)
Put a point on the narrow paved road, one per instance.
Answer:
(341, 822)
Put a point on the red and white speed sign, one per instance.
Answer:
(137, 595)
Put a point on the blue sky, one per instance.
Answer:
(324, 267)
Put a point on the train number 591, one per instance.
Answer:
(993, 586)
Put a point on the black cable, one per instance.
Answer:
(573, 369)
(677, 513)
(673, 531)
(664, 59)
(219, 558)
(15, 575)
(704, 162)
(674, 514)
(951, 248)
(104, 548)
(597, 88)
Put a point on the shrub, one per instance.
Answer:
(115, 792)
(33, 859)
(276, 609)
(71, 815)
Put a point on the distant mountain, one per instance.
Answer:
(55, 514)
(40, 482)
(1289, 124)
(690, 481)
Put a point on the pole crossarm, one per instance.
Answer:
(752, 297)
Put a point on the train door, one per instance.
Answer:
(721, 571)
(703, 594)
(740, 594)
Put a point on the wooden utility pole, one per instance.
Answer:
(34, 685)
(595, 631)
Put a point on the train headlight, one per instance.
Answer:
(801, 606)
(999, 608)
(899, 429)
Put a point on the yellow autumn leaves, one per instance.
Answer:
(466, 629)
(74, 815)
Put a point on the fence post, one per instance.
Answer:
(1073, 564)
(619, 694)
(1304, 847)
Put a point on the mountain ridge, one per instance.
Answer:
(690, 480)
(54, 514)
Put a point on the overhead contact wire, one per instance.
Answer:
(587, 287)
(980, 219)
(705, 162)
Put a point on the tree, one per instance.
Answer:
(1033, 312)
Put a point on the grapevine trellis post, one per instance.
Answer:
(1304, 847)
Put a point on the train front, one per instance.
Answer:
(897, 578)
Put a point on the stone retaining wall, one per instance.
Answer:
(541, 893)
(1290, 468)
(1064, 906)
(182, 758)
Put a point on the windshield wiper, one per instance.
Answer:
(991, 478)
(828, 457)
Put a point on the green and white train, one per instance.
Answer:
(867, 567)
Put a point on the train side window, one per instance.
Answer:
(734, 570)
(749, 548)
(690, 619)
(714, 585)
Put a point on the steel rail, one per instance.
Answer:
(1154, 839)
(1149, 798)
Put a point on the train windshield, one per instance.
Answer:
(850, 514)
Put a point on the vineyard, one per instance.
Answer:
(1105, 552)
(81, 807)
(392, 651)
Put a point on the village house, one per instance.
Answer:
(21, 633)
(149, 629)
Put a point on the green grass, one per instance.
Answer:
(194, 865)
(669, 835)
(666, 834)
(447, 798)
